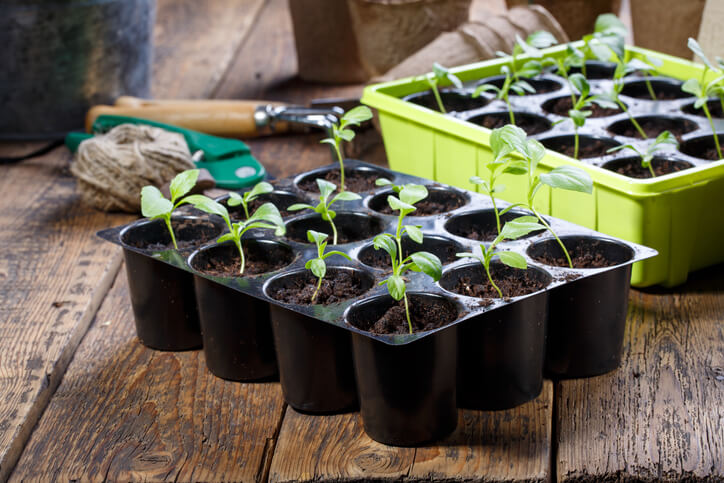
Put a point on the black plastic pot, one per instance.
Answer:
(530, 123)
(369, 172)
(596, 69)
(452, 100)
(587, 316)
(407, 392)
(664, 88)
(354, 226)
(561, 143)
(702, 147)
(541, 85)
(678, 126)
(315, 359)
(162, 295)
(500, 353)
(236, 329)
(632, 168)
(481, 225)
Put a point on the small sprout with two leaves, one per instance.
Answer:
(648, 156)
(564, 177)
(704, 89)
(407, 196)
(573, 58)
(424, 262)
(235, 199)
(512, 230)
(323, 207)
(530, 46)
(154, 205)
(342, 132)
(266, 216)
(608, 37)
(501, 163)
(317, 265)
(502, 93)
(441, 74)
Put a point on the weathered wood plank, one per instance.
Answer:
(511, 445)
(54, 272)
(660, 416)
(125, 412)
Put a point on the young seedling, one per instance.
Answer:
(441, 74)
(501, 163)
(323, 207)
(154, 205)
(703, 89)
(530, 46)
(573, 58)
(235, 199)
(580, 112)
(647, 156)
(266, 216)
(608, 37)
(342, 132)
(424, 262)
(612, 100)
(317, 265)
(512, 230)
(520, 87)
(565, 177)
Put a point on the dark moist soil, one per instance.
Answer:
(512, 285)
(354, 181)
(429, 206)
(424, 314)
(593, 149)
(337, 286)
(563, 105)
(201, 237)
(709, 153)
(380, 258)
(654, 127)
(274, 258)
(530, 124)
(582, 256)
(634, 169)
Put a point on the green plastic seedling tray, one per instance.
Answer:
(670, 213)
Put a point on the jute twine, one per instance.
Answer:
(112, 168)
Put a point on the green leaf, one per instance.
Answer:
(386, 242)
(346, 196)
(316, 237)
(206, 204)
(299, 206)
(608, 23)
(525, 219)
(512, 259)
(412, 193)
(357, 115)
(259, 189)
(693, 87)
(606, 100)
(580, 83)
(578, 117)
(328, 141)
(153, 203)
(234, 199)
(226, 237)
(383, 182)
(514, 229)
(328, 215)
(666, 138)
(325, 188)
(623, 146)
(396, 287)
(183, 183)
(535, 152)
(637, 64)
(317, 266)
(541, 39)
(346, 134)
(396, 204)
(414, 233)
(499, 147)
(529, 49)
(428, 264)
(484, 88)
(569, 178)
(530, 69)
(439, 71)
(514, 137)
(269, 212)
(469, 255)
(699, 52)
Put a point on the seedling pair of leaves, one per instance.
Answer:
(155, 206)
(342, 132)
(647, 156)
(235, 199)
(440, 75)
(325, 202)
(318, 266)
(530, 46)
(703, 89)
(424, 262)
(570, 178)
(267, 216)
(512, 230)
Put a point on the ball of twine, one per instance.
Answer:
(112, 168)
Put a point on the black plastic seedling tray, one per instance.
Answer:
(431, 225)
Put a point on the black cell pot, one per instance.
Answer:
(561, 143)
(407, 392)
(315, 358)
(453, 101)
(236, 329)
(530, 123)
(500, 353)
(441, 198)
(162, 296)
(587, 317)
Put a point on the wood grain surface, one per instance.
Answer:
(512, 445)
(660, 416)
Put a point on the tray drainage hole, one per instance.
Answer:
(585, 252)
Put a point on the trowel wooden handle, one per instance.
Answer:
(228, 118)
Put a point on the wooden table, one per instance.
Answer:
(82, 399)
